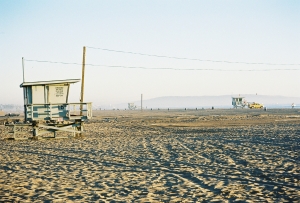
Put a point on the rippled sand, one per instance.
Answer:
(182, 156)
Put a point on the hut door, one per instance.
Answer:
(38, 95)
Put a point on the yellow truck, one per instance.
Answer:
(255, 105)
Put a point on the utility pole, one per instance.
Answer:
(141, 102)
(82, 80)
(23, 69)
(24, 94)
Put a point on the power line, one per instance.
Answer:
(176, 69)
(65, 63)
(194, 59)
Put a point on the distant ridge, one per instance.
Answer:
(223, 101)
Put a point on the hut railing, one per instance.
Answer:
(59, 111)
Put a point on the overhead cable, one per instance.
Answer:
(65, 63)
(149, 68)
(195, 59)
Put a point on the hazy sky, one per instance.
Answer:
(253, 31)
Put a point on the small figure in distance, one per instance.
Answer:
(293, 105)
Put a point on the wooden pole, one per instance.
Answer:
(24, 90)
(23, 69)
(141, 102)
(82, 80)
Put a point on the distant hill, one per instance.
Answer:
(187, 102)
(223, 101)
(11, 108)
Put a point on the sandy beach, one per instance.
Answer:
(160, 156)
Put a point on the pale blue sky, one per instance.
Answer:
(243, 31)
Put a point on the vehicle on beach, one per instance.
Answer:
(255, 105)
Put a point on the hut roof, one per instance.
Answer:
(68, 81)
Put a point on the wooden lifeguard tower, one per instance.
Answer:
(47, 110)
(239, 102)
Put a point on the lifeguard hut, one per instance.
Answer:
(131, 106)
(239, 102)
(47, 109)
